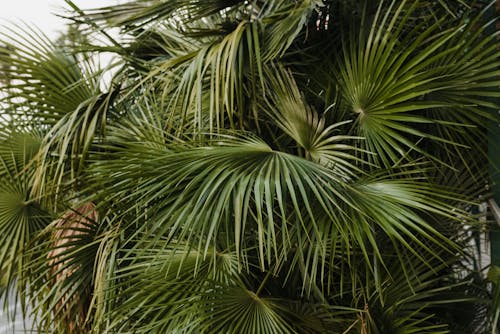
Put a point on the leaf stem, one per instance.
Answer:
(261, 286)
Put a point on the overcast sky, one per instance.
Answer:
(40, 12)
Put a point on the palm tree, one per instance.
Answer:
(251, 167)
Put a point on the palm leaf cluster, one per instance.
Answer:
(256, 166)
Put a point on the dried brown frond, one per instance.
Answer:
(71, 309)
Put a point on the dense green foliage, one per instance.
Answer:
(285, 166)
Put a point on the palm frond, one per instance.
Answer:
(64, 252)
(252, 166)
(51, 89)
(390, 77)
(21, 215)
(240, 188)
(315, 138)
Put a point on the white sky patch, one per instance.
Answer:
(40, 13)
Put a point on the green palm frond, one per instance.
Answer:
(250, 167)
(136, 14)
(21, 215)
(208, 79)
(162, 295)
(316, 139)
(18, 151)
(412, 310)
(391, 77)
(44, 83)
(239, 188)
(161, 280)
(51, 89)
(238, 310)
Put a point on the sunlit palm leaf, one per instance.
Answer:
(315, 138)
(242, 189)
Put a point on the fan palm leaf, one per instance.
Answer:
(60, 94)
(236, 186)
(390, 77)
(21, 215)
